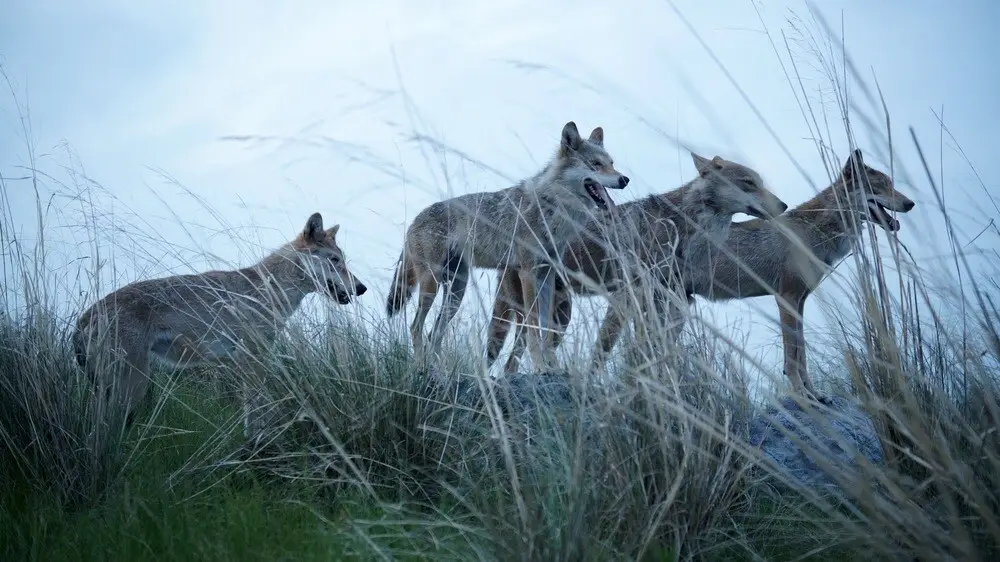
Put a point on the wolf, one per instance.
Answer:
(661, 233)
(215, 316)
(790, 257)
(522, 228)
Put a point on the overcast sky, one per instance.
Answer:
(133, 100)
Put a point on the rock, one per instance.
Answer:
(834, 430)
(838, 431)
(522, 398)
(534, 404)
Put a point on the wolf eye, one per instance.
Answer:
(335, 259)
(596, 164)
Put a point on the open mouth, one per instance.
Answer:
(880, 216)
(599, 194)
(753, 211)
(340, 294)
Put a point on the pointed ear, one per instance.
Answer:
(702, 164)
(854, 160)
(314, 227)
(332, 231)
(597, 136)
(570, 137)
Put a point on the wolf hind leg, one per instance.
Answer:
(425, 300)
(456, 279)
(508, 312)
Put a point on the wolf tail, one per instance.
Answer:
(402, 286)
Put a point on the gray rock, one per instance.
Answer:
(837, 431)
(533, 402)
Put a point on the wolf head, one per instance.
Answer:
(871, 192)
(579, 159)
(734, 188)
(323, 261)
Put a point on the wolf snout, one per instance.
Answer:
(360, 289)
(908, 206)
(773, 205)
(622, 181)
(766, 209)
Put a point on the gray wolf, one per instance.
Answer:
(668, 235)
(523, 228)
(189, 320)
(789, 257)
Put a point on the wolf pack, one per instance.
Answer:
(552, 236)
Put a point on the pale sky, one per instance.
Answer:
(139, 97)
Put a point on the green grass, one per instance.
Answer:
(155, 515)
(237, 518)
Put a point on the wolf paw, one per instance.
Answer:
(818, 397)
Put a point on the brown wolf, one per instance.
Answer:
(788, 258)
(520, 228)
(658, 233)
(187, 320)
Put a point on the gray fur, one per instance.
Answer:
(669, 236)
(189, 320)
(521, 228)
(789, 257)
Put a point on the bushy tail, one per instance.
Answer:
(402, 286)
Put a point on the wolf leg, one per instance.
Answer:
(800, 351)
(456, 280)
(544, 278)
(562, 313)
(425, 300)
(793, 342)
(514, 360)
(611, 328)
(508, 312)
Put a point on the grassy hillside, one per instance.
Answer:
(377, 467)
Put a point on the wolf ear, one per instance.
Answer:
(571, 139)
(854, 160)
(704, 165)
(314, 227)
(597, 136)
(332, 231)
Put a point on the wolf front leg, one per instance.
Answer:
(562, 314)
(671, 307)
(791, 305)
(538, 287)
(611, 328)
